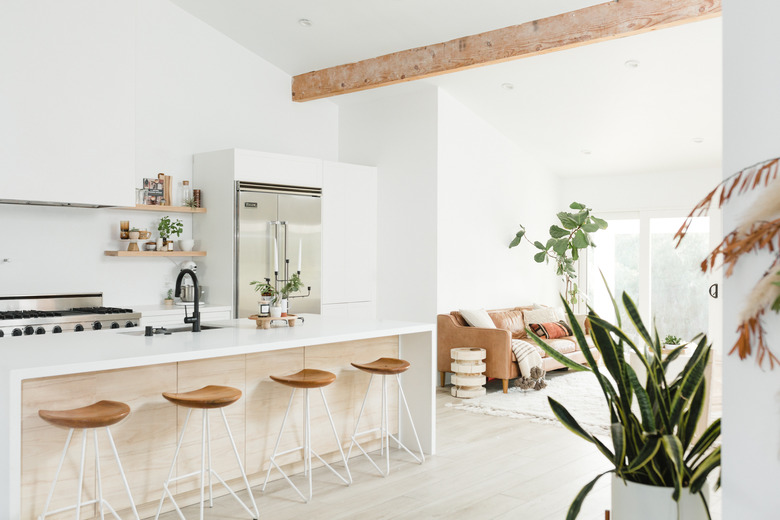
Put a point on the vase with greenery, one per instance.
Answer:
(167, 228)
(565, 243)
(652, 423)
(757, 232)
(294, 284)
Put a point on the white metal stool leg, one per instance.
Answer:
(384, 429)
(306, 447)
(98, 500)
(207, 469)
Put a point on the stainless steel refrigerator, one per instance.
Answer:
(285, 219)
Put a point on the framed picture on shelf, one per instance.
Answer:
(155, 190)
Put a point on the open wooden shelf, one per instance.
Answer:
(155, 253)
(169, 209)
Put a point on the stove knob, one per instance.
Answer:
(56, 330)
(114, 325)
(2, 333)
(40, 330)
(97, 325)
(16, 332)
(78, 328)
(29, 330)
(129, 324)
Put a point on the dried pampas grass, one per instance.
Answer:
(758, 231)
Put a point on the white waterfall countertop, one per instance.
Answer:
(29, 357)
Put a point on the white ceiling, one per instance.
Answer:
(631, 120)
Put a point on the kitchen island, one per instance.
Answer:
(77, 369)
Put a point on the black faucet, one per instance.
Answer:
(195, 318)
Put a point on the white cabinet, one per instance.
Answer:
(67, 99)
(355, 310)
(349, 233)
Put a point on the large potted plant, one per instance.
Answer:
(660, 469)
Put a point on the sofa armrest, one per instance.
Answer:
(496, 342)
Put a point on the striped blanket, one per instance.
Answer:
(530, 364)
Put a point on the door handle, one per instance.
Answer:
(714, 290)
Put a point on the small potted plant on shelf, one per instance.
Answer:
(169, 298)
(267, 294)
(167, 228)
(660, 464)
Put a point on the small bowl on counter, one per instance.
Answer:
(150, 246)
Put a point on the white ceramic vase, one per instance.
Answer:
(632, 501)
(186, 244)
(276, 311)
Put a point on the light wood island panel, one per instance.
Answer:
(146, 440)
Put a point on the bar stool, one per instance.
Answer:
(206, 398)
(98, 415)
(306, 379)
(385, 367)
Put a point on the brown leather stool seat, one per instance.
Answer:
(307, 378)
(384, 366)
(212, 396)
(97, 415)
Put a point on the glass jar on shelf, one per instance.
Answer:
(186, 194)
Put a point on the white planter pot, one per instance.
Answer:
(632, 501)
(186, 244)
(276, 312)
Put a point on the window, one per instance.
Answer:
(637, 254)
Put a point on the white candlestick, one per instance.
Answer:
(300, 254)
(276, 257)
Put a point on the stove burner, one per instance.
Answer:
(19, 315)
(100, 310)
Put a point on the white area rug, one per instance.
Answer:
(578, 392)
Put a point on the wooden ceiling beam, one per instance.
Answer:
(598, 23)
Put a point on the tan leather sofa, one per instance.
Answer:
(453, 331)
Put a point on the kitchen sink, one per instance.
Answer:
(169, 330)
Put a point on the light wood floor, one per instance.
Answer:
(486, 468)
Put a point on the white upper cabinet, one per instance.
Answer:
(349, 233)
(67, 101)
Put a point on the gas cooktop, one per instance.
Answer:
(42, 314)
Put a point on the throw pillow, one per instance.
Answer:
(477, 318)
(553, 330)
(545, 315)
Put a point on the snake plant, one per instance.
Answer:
(653, 423)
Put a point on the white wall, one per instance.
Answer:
(751, 413)
(677, 190)
(195, 90)
(486, 187)
(397, 133)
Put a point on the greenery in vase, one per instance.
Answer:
(294, 284)
(672, 340)
(565, 242)
(656, 447)
(166, 227)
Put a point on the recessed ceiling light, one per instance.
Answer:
(508, 86)
(304, 22)
(585, 152)
(698, 140)
(631, 64)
